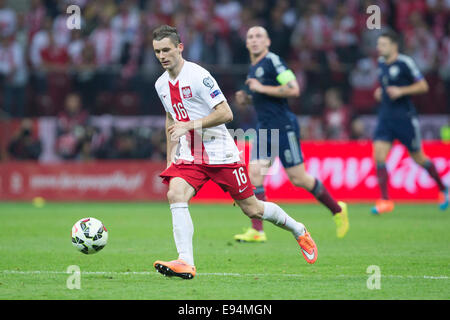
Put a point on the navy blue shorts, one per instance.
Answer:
(406, 130)
(284, 143)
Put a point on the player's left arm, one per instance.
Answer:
(289, 89)
(209, 92)
(418, 87)
(288, 86)
(220, 114)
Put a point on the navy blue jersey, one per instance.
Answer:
(272, 112)
(402, 72)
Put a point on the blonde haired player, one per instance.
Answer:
(270, 83)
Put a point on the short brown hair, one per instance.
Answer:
(391, 35)
(166, 31)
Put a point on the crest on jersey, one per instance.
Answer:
(208, 82)
(259, 72)
(187, 92)
(394, 71)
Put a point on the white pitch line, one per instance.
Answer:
(215, 274)
(145, 273)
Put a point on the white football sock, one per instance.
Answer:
(183, 230)
(276, 215)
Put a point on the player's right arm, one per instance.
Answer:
(171, 144)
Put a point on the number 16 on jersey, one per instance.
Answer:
(180, 111)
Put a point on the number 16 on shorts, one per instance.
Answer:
(240, 176)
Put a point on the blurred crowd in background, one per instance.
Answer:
(108, 66)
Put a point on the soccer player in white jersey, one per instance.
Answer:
(200, 148)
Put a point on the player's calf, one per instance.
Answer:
(273, 213)
(300, 178)
(252, 207)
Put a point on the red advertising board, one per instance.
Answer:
(94, 181)
(346, 169)
(349, 171)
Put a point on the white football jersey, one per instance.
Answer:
(192, 96)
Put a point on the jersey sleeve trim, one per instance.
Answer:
(415, 72)
(285, 77)
(277, 63)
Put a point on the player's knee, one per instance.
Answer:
(254, 173)
(252, 176)
(174, 196)
(380, 154)
(252, 213)
(419, 157)
(302, 181)
(298, 181)
(380, 157)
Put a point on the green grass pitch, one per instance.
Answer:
(411, 246)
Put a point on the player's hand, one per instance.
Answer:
(241, 97)
(254, 85)
(178, 129)
(394, 92)
(377, 94)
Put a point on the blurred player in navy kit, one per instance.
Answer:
(397, 118)
(270, 83)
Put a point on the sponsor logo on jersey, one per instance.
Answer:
(215, 93)
(187, 92)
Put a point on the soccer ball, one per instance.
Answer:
(89, 235)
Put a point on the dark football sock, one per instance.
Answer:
(321, 193)
(431, 169)
(383, 179)
(257, 224)
(260, 194)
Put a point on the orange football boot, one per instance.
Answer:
(177, 268)
(383, 206)
(309, 248)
